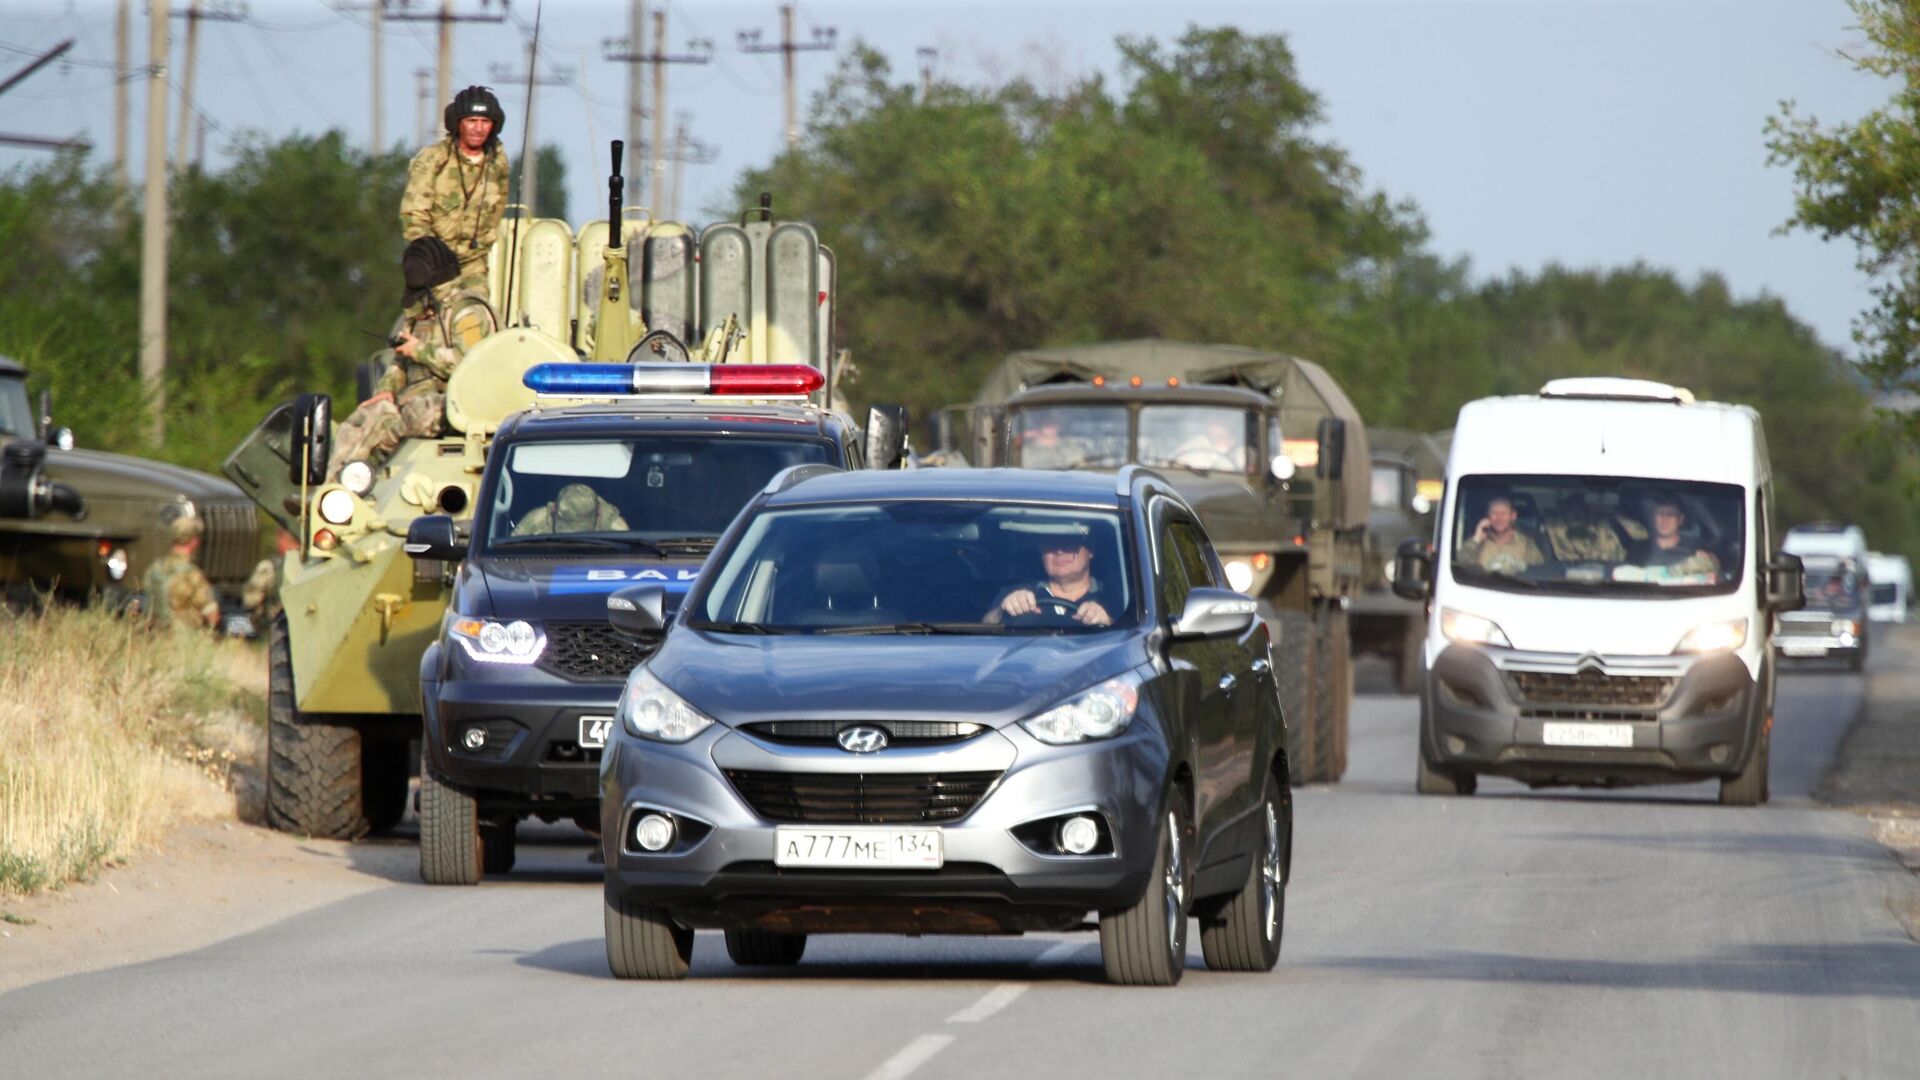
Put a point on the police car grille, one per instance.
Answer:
(593, 650)
(899, 732)
(852, 798)
(1590, 688)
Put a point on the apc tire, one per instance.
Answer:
(1749, 787)
(1245, 934)
(313, 768)
(1293, 659)
(763, 948)
(451, 849)
(645, 943)
(1146, 944)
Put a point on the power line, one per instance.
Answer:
(626, 51)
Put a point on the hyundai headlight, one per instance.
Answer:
(1714, 637)
(1099, 713)
(491, 642)
(651, 711)
(1464, 629)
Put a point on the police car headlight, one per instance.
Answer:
(1464, 629)
(490, 642)
(357, 477)
(336, 506)
(1714, 637)
(1099, 713)
(651, 711)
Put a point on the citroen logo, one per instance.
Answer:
(862, 739)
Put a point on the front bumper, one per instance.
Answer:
(532, 720)
(1691, 718)
(996, 878)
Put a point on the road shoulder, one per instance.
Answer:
(1876, 772)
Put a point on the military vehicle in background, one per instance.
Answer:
(81, 525)
(1408, 471)
(1260, 443)
(344, 677)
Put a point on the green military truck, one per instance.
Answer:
(81, 525)
(344, 660)
(1407, 471)
(1259, 442)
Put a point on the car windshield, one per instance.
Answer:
(1213, 438)
(1069, 437)
(1386, 487)
(920, 566)
(654, 493)
(1832, 587)
(1598, 534)
(16, 416)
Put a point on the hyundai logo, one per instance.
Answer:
(862, 740)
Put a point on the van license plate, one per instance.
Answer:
(860, 848)
(1616, 735)
(594, 731)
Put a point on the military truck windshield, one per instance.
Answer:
(16, 416)
(668, 491)
(1206, 437)
(1598, 534)
(923, 567)
(1069, 437)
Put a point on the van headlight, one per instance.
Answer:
(1464, 629)
(1714, 637)
(651, 711)
(491, 642)
(1099, 713)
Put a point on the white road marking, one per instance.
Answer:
(915, 1054)
(996, 999)
(1061, 951)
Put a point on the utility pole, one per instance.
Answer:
(636, 91)
(446, 18)
(423, 107)
(193, 15)
(153, 234)
(122, 59)
(700, 51)
(378, 8)
(685, 148)
(530, 164)
(928, 54)
(35, 141)
(823, 37)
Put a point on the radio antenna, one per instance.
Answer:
(526, 133)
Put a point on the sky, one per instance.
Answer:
(1588, 133)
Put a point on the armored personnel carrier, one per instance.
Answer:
(345, 693)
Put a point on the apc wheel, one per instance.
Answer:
(451, 849)
(645, 943)
(1146, 944)
(1245, 935)
(763, 948)
(1750, 787)
(1293, 660)
(313, 768)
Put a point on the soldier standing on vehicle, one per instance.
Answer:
(177, 592)
(457, 189)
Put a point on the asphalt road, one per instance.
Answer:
(1516, 933)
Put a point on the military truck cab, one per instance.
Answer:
(1402, 496)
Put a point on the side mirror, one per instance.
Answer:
(1333, 447)
(312, 442)
(1215, 613)
(1786, 583)
(886, 436)
(639, 610)
(1413, 570)
(432, 536)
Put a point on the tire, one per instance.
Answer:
(451, 849)
(763, 948)
(645, 943)
(1332, 744)
(384, 781)
(1434, 780)
(1406, 674)
(497, 846)
(1293, 659)
(1245, 934)
(1146, 944)
(313, 768)
(1749, 787)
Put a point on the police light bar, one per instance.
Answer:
(675, 380)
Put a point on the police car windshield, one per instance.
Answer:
(922, 566)
(671, 494)
(1598, 534)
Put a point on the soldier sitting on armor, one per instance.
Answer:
(577, 509)
(177, 593)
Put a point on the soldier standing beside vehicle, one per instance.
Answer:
(177, 592)
(457, 189)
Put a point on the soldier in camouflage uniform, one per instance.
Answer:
(457, 189)
(578, 508)
(261, 593)
(177, 592)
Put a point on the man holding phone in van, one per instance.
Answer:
(1497, 546)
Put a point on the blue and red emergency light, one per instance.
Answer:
(681, 380)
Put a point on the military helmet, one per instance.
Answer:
(427, 262)
(475, 101)
(576, 502)
(185, 526)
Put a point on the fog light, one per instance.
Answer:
(1079, 835)
(475, 738)
(1718, 753)
(1455, 745)
(653, 833)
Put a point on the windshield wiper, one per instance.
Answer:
(915, 628)
(621, 543)
(739, 628)
(688, 541)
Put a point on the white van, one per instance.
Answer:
(1833, 624)
(1601, 594)
(1892, 580)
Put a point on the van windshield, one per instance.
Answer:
(1832, 585)
(1598, 534)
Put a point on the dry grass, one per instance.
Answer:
(110, 733)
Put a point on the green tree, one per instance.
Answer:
(552, 192)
